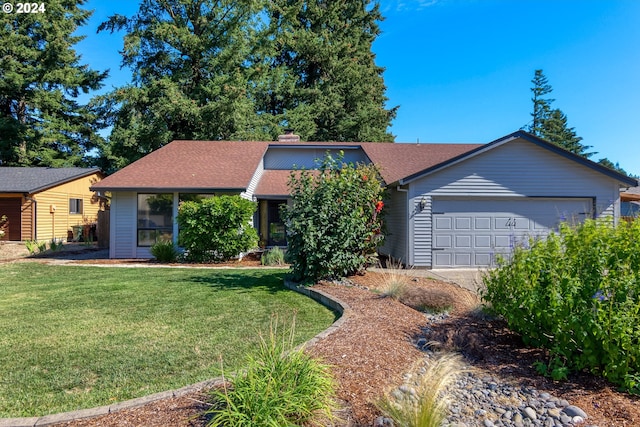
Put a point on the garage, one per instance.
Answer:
(471, 232)
(11, 208)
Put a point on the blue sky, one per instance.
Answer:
(461, 70)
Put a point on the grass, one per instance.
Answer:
(281, 386)
(430, 407)
(79, 337)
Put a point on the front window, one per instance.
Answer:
(155, 218)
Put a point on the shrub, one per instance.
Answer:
(273, 256)
(430, 408)
(281, 386)
(165, 251)
(576, 293)
(334, 220)
(216, 229)
(34, 247)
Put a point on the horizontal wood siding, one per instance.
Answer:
(123, 225)
(28, 214)
(395, 242)
(291, 158)
(515, 169)
(56, 224)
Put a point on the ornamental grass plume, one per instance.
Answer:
(431, 406)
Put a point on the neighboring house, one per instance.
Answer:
(46, 203)
(449, 205)
(630, 203)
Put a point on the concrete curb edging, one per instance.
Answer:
(333, 303)
(325, 299)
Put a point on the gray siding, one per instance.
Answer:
(515, 169)
(123, 225)
(290, 158)
(395, 242)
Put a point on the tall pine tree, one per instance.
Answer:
(190, 77)
(541, 106)
(41, 121)
(321, 54)
(247, 69)
(551, 124)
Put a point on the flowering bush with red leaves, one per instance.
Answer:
(334, 221)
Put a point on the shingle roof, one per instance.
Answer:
(207, 165)
(191, 165)
(33, 180)
(397, 161)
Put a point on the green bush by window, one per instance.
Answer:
(334, 220)
(576, 293)
(216, 229)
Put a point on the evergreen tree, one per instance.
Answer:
(41, 121)
(551, 124)
(190, 77)
(330, 88)
(541, 106)
(229, 69)
(554, 128)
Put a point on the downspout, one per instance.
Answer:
(34, 217)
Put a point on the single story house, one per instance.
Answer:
(449, 205)
(43, 203)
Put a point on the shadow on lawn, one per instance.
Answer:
(271, 281)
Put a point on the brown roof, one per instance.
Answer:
(191, 165)
(630, 194)
(207, 165)
(397, 161)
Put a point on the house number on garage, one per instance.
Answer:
(511, 222)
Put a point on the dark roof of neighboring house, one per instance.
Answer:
(32, 180)
(191, 165)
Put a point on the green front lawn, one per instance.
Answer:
(78, 337)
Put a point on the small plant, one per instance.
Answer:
(3, 225)
(55, 245)
(34, 247)
(430, 407)
(165, 251)
(394, 282)
(281, 386)
(273, 256)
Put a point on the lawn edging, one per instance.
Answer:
(321, 297)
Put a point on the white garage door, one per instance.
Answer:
(470, 233)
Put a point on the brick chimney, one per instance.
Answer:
(288, 136)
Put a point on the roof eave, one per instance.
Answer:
(62, 181)
(169, 189)
(623, 179)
